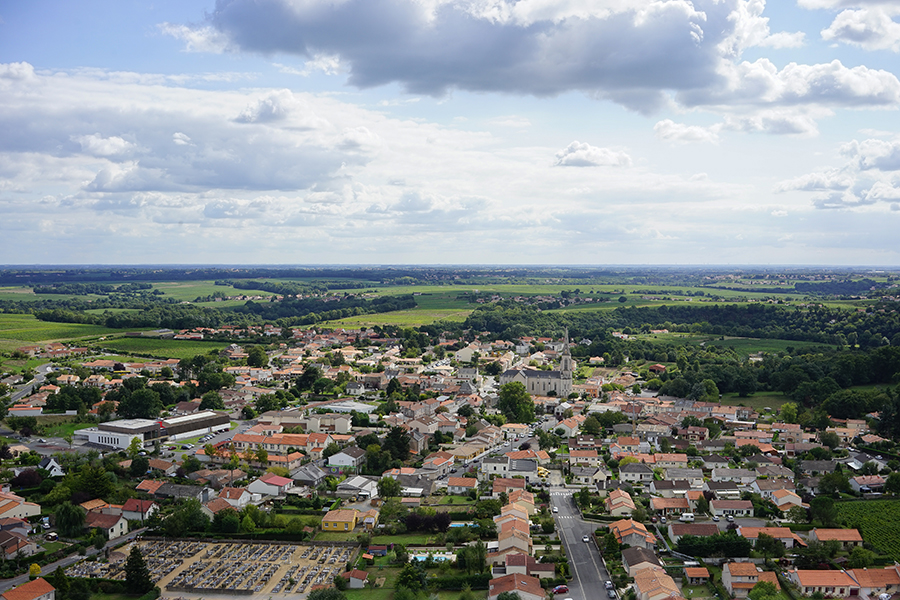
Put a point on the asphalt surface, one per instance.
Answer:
(584, 557)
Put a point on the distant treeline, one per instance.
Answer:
(83, 289)
(509, 320)
(306, 311)
(147, 314)
(839, 288)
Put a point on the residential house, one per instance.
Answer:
(670, 506)
(113, 526)
(271, 484)
(16, 544)
(49, 464)
(38, 589)
(867, 483)
(677, 530)
(352, 457)
(735, 508)
(340, 520)
(785, 500)
(310, 475)
(828, 583)
(461, 486)
(669, 489)
(848, 538)
(236, 497)
(139, 510)
(655, 584)
(637, 559)
(723, 490)
(583, 458)
(523, 564)
(693, 476)
(767, 487)
(635, 473)
(738, 476)
(12, 506)
(874, 582)
(782, 534)
(741, 577)
(589, 476)
(527, 587)
(619, 504)
(633, 533)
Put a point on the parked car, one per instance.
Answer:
(609, 585)
(716, 518)
(730, 518)
(653, 519)
(561, 589)
(662, 520)
(611, 594)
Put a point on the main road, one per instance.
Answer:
(584, 558)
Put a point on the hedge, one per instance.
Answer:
(458, 582)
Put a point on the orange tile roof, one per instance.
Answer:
(742, 569)
(841, 535)
(30, 590)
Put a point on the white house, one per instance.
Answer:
(271, 484)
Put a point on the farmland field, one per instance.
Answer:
(410, 318)
(744, 346)
(190, 290)
(22, 330)
(159, 348)
(878, 522)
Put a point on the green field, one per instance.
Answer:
(409, 318)
(744, 346)
(757, 401)
(156, 348)
(190, 290)
(24, 330)
(20, 294)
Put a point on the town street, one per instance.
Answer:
(584, 558)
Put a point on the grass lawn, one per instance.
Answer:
(456, 500)
(50, 547)
(338, 536)
(61, 430)
(373, 594)
(407, 539)
(696, 591)
(191, 290)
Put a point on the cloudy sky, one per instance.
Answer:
(450, 131)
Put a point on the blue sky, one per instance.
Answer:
(450, 131)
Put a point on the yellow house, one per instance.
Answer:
(340, 520)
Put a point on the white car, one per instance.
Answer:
(585, 538)
(556, 509)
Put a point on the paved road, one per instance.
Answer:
(7, 584)
(40, 374)
(584, 558)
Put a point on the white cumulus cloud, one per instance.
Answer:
(580, 154)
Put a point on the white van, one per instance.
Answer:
(686, 517)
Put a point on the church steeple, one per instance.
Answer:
(565, 364)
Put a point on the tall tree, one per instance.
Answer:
(69, 519)
(137, 575)
(212, 401)
(515, 403)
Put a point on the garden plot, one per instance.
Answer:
(231, 567)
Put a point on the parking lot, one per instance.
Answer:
(231, 567)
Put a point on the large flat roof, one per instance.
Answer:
(206, 414)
